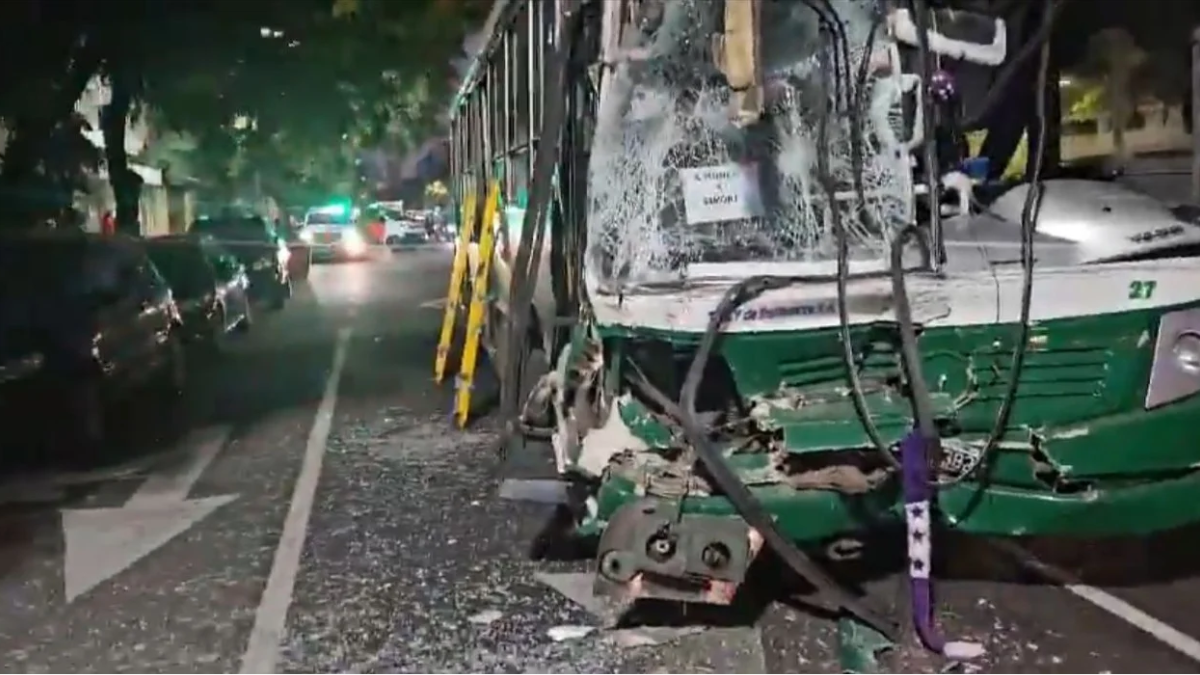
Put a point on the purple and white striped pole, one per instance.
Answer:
(914, 461)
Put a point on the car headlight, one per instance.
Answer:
(17, 369)
(1186, 351)
(306, 236)
(352, 237)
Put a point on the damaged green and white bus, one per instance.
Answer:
(762, 328)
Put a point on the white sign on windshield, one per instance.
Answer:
(714, 194)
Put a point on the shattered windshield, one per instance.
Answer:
(681, 175)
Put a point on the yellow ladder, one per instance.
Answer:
(477, 313)
(454, 294)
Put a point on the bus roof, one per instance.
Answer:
(499, 8)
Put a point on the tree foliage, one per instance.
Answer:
(43, 158)
(277, 95)
(437, 193)
(1122, 74)
(315, 82)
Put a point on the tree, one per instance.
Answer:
(314, 80)
(1113, 58)
(43, 158)
(318, 86)
(59, 54)
(436, 193)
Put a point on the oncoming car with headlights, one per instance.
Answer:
(332, 233)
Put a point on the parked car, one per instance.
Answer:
(210, 285)
(300, 258)
(86, 323)
(255, 243)
(400, 233)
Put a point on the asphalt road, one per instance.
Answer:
(310, 508)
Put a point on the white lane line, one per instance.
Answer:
(1163, 632)
(270, 619)
(438, 303)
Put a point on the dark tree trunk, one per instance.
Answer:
(25, 138)
(126, 185)
(30, 137)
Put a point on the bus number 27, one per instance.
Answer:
(1141, 290)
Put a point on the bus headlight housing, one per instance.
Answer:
(1175, 370)
(1187, 352)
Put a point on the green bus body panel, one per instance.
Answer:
(1079, 415)
(815, 515)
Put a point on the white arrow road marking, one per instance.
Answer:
(43, 487)
(171, 483)
(101, 543)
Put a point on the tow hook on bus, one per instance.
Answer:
(650, 550)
